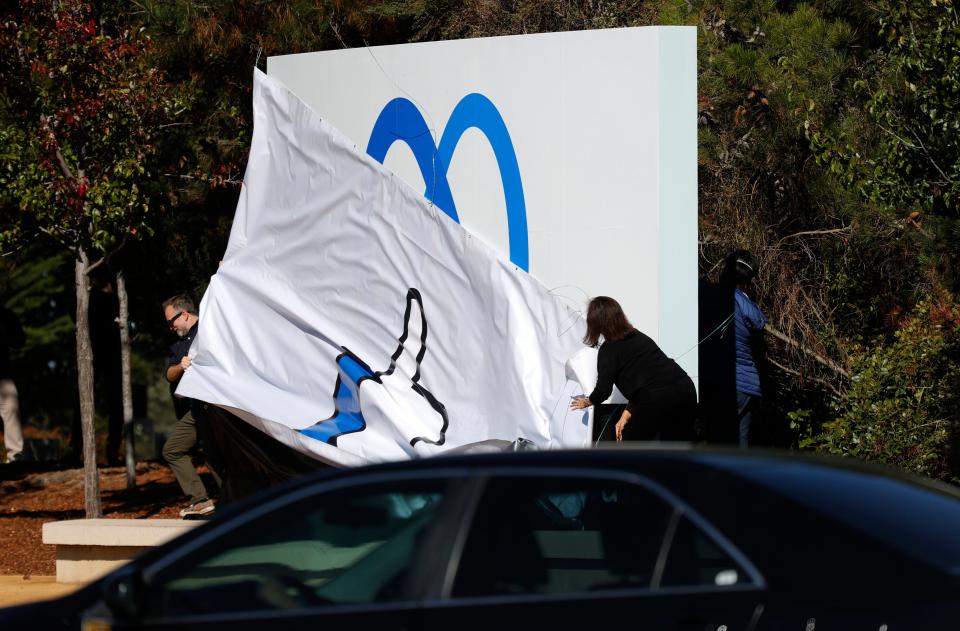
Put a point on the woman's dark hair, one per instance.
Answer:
(605, 317)
(739, 268)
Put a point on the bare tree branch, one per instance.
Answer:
(93, 266)
(333, 27)
(822, 382)
(228, 180)
(55, 235)
(907, 144)
(63, 165)
(805, 233)
(829, 363)
(923, 147)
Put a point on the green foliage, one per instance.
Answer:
(207, 51)
(80, 115)
(36, 293)
(760, 76)
(874, 276)
(428, 20)
(35, 290)
(799, 423)
(897, 142)
(763, 68)
(902, 404)
(797, 164)
(821, 127)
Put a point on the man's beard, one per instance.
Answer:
(181, 333)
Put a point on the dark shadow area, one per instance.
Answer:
(52, 515)
(147, 499)
(247, 459)
(718, 364)
(17, 470)
(605, 419)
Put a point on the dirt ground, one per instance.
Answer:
(31, 497)
(17, 590)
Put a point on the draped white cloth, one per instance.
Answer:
(355, 322)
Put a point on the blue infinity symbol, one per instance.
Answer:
(401, 120)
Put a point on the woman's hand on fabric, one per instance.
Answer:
(579, 403)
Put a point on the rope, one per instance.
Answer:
(708, 335)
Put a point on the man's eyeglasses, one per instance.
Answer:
(174, 318)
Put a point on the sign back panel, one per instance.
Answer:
(573, 155)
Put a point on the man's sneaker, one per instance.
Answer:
(197, 509)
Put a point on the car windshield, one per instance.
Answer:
(917, 520)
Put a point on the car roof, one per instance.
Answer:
(729, 459)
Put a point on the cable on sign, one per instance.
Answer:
(722, 325)
(431, 128)
(577, 313)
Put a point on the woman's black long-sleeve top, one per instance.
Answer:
(633, 363)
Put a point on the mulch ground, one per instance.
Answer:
(30, 497)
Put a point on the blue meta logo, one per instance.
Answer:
(401, 120)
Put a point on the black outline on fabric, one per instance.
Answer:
(413, 294)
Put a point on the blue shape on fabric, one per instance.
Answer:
(347, 418)
(401, 120)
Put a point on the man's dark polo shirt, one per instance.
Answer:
(179, 350)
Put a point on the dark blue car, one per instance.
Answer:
(608, 538)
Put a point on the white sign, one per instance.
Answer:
(354, 321)
(571, 154)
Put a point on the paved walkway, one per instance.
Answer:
(15, 590)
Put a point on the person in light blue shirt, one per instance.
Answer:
(748, 321)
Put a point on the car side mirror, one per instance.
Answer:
(123, 593)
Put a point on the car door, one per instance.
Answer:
(343, 557)
(574, 549)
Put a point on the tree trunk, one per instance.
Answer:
(91, 483)
(122, 320)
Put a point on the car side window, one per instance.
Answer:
(560, 535)
(345, 547)
(696, 560)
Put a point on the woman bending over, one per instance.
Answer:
(662, 398)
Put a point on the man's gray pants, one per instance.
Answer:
(177, 450)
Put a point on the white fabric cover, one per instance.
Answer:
(340, 276)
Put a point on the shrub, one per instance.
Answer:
(901, 407)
